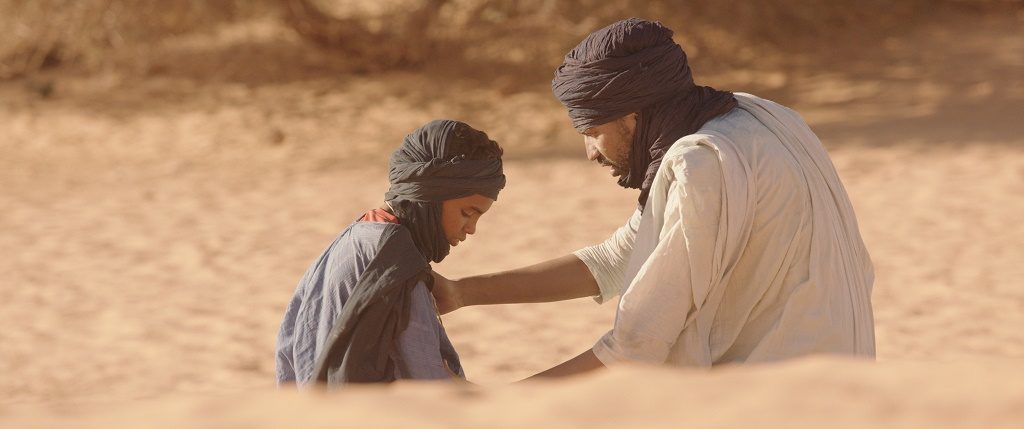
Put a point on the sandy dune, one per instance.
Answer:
(817, 392)
(152, 231)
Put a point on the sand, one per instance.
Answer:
(816, 392)
(153, 229)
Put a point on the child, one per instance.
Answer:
(363, 311)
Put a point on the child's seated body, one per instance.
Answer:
(363, 311)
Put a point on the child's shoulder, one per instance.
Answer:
(379, 234)
(374, 230)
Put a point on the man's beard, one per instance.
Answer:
(617, 169)
(620, 167)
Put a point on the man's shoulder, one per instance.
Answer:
(735, 128)
(741, 119)
(690, 156)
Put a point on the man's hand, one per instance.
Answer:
(446, 294)
(585, 362)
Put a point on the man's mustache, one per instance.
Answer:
(605, 163)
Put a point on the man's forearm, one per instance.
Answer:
(585, 362)
(562, 278)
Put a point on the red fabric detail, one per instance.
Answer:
(378, 215)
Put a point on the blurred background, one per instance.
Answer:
(169, 169)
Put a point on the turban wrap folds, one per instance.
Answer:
(428, 169)
(634, 66)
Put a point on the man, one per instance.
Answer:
(744, 246)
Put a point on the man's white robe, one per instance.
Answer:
(747, 250)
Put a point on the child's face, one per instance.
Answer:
(459, 216)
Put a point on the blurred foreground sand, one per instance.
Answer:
(815, 392)
(152, 232)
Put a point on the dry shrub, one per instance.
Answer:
(390, 33)
(737, 30)
(721, 31)
(89, 33)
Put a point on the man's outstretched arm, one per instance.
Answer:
(559, 279)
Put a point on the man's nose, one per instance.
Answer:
(592, 153)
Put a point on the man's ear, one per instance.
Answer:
(631, 120)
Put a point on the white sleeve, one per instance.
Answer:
(607, 260)
(660, 301)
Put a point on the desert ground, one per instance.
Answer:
(152, 230)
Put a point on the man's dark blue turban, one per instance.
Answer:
(634, 66)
